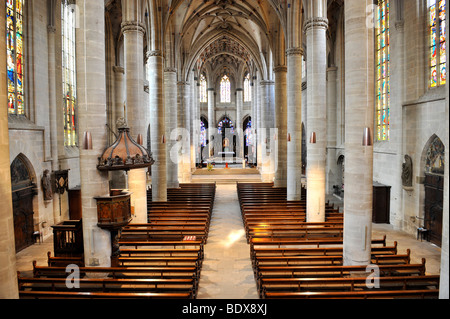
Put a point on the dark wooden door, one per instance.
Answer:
(23, 217)
(23, 191)
(434, 197)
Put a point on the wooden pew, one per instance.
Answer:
(287, 285)
(373, 294)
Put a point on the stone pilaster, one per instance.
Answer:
(170, 101)
(359, 113)
(294, 123)
(8, 274)
(155, 75)
(92, 118)
(316, 37)
(281, 125)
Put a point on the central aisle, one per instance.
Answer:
(227, 270)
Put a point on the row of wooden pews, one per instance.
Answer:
(294, 259)
(158, 260)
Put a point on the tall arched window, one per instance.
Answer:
(225, 90)
(248, 134)
(383, 69)
(438, 58)
(15, 56)
(247, 89)
(69, 80)
(203, 137)
(202, 93)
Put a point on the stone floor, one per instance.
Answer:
(227, 271)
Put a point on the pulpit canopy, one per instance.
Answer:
(124, 153)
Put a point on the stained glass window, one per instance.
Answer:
(225, 90)
(15, 56)
(203, 91)
(437, 29)
(202, 133)
(225, 124)
(248, 134)
(382, 71)
(247, 89)
(69, 72)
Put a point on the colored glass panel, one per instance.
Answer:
(248, 134)
(203, 89)
(247, 89)
(202, 134)
(382, 71)
(69, 72)
(225, 90)
(14, 56)
(437, 26)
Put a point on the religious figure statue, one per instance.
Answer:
(407, 172)
(47, 185)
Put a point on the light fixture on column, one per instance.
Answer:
(313, 138)
(163, 139)
(289, 137)
(87, 144)
(367, 137)
(140, 139)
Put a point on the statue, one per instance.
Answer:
(407, 172)
(47, 185)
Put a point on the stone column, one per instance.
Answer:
(359, 114)
(252, 152)
(8, 274)
(51, 30)
(133, 37)
(170, 101)
(238, 125)
(266, 131)
(294, 124)
(186, 170)
(316, 28)
(331, 129)
(281, 125)
(119, 96)
(118, 178)
(92, 118)
(155, 77)
(258, 126)
(444, 284)
(194, 123)
(211, 120)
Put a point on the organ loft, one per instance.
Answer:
(223, 149)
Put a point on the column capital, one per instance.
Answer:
(173, 70)
(239, 90)
(266, 82)
(128, 26)
(295, 51)
(51, 29)
(118, 69)
(157, 53)
(211, 89)
(280, 68)
(316, 22)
